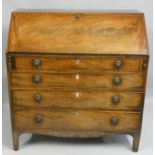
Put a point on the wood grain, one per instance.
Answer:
(77, 52)
(92, 33)
(75, 64)
(76, 120)
(85, 81)
(78, 99)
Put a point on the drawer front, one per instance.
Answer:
(58, 64)
(78, 99)
(77, 120)
(116, 81)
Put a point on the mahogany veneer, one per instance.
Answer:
(77, 74)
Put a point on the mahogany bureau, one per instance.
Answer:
(77, 74)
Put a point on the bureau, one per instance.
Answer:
(77, 75)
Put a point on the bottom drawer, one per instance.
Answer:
(76, 120)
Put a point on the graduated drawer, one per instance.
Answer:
(78, 99)
(76, 120)
(118, 81)
(73, 64)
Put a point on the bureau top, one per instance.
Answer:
(82, 33)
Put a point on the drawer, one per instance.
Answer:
(74, 64)
(115, 81)
(77, 120)
(78, 99)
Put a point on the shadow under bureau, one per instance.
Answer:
(77, 74)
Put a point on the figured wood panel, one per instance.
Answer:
(92, 33)
(80, 64)
(77, 120)
(78, 99)
(87, 81)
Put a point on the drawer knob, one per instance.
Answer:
(115, 99)
(116, 81)
(36, 79)
(38, 98)
(114, 120)
(36, 62)
(118, 64)
(38, 119)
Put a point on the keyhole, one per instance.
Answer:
(77, 114)
(77, 61)
(77, 94)
(77, 77)
(77, 17)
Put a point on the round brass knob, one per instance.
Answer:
(36, 62)
(36, 79)
(38, 98)
(118, 64)
(38, 118)
(115, 99)
(114, 120)
(116, 81)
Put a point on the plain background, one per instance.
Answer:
(58, 146)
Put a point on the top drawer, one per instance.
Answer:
(67, 64)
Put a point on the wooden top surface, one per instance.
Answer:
(82, 33)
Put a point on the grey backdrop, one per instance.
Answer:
(145, 6)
